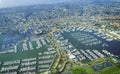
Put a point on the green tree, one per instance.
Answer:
(78, 70)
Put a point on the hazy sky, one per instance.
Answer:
(13, 3)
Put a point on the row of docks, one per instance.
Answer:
(10, 73)
(58, 36)
(90, 54)
(43, 70)
(7, 44)
(86, 39)
(28, 66)
(64, 43)
(24, 66)
(28, 63)
(71, 28)
(9, 66)
(28, 46)
(29, 59)
(107, 52)
(77, 28)
(29, 72)
(8, 63)
(49, 52)
(80, 54)
(39, 43)
(27, 69)
(46, 59)
(103, 35)
(9, 50)
(43, 62)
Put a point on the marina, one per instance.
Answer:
(85, 44)
(84, 38)
(41, 57)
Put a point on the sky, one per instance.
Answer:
(14, 3)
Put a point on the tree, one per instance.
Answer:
(78, 70)
(53, 71)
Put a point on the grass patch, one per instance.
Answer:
(89, 70)
(78, 70)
